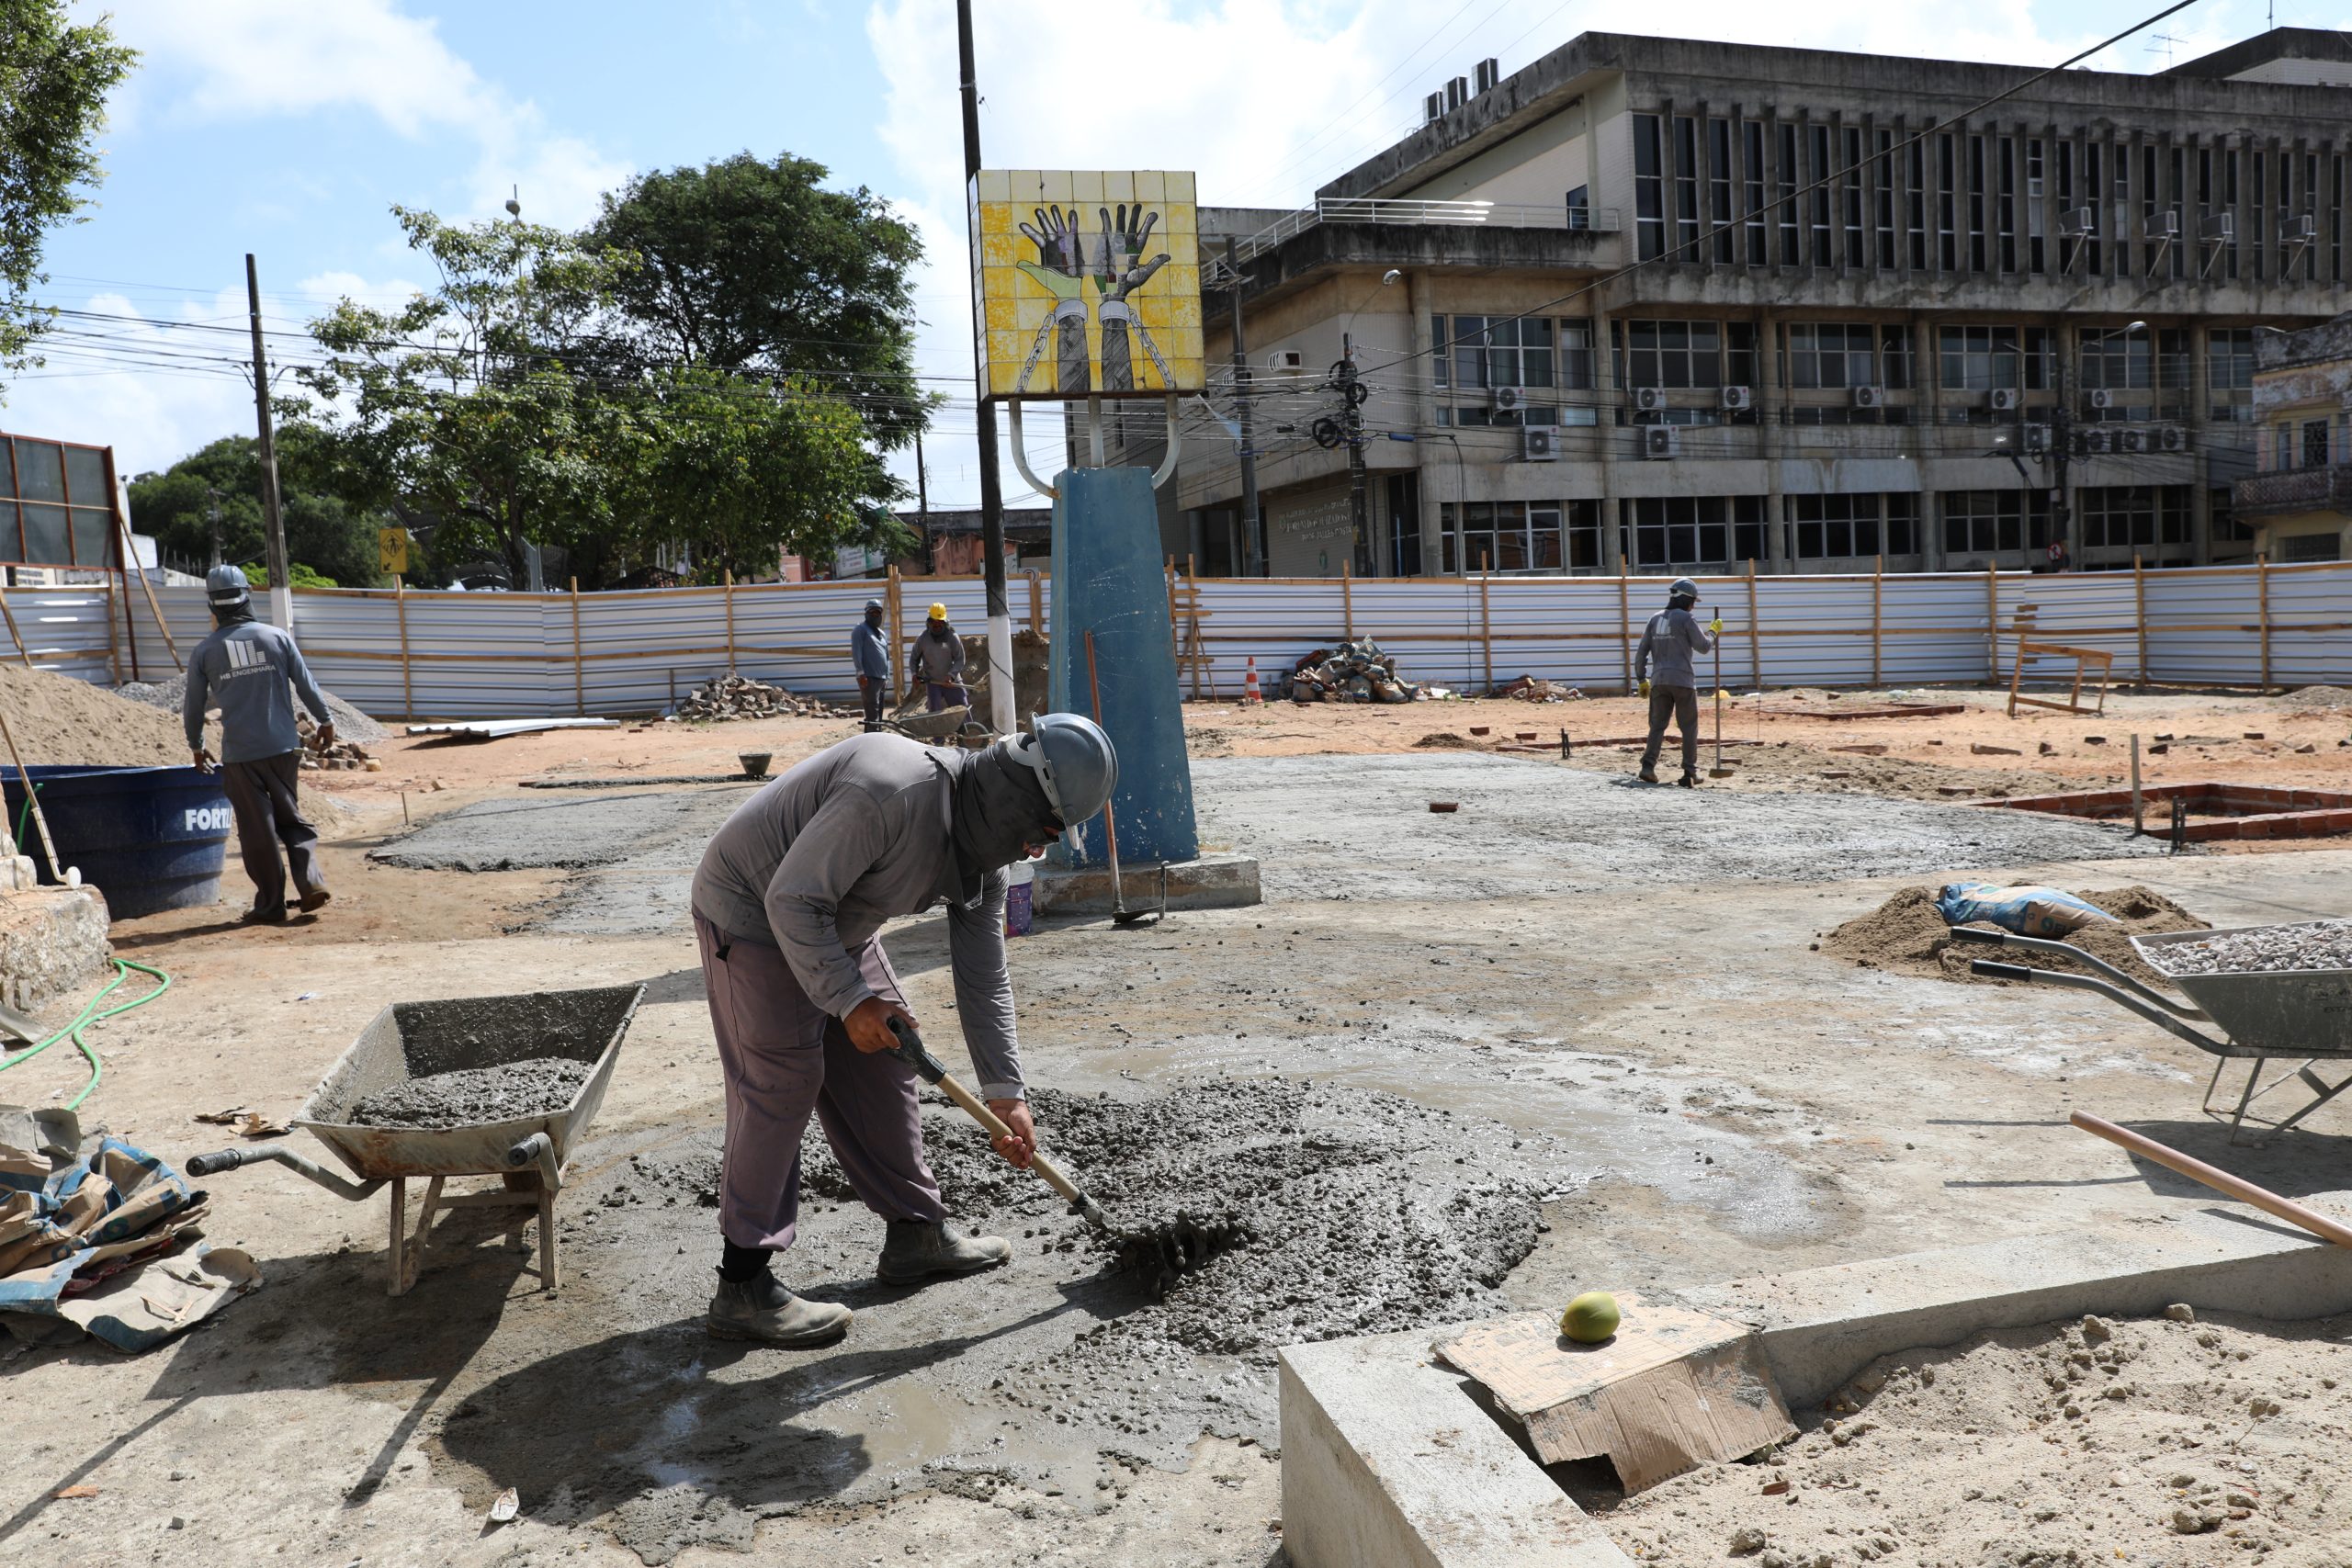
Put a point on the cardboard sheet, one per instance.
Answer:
(1671, 1390)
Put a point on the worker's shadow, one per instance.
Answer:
(2293, 1164)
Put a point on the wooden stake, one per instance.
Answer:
(727, 591)
(2140, 606)
(399, 612)
(32, 798)
(1348, 597)
(2262, 588)
(130, 563)
(2139, 823)
(1992, 623)
(14, 635)
(579, 664)
(1626, 625)
(114, 664)
(1036, 605)
(2220, 1180)
(894, 616)
(1755, 632)
(1878, 591)
(1485, 625)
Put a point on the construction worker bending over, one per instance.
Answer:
(786, 904)
(253, 670)
(869, 655)
(1662, 665)
(939, 659)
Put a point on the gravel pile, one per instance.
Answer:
(474, 1097)
(2324, 944)
(350, 724)
(724, 697)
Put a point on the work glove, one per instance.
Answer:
(1646, 686)
(1715, 626)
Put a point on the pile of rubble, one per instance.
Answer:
(344, 756)
(1528, 689)
(724, 698)
(1358, 673)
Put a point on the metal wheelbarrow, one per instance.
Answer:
(412, 1040)
(2263, 1014)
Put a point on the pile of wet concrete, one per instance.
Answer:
(473, 1097)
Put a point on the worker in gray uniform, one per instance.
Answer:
(1662, 665)
(787, 903)
(252, 670)
(869, 655)
(939, 659)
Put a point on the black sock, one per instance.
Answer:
(741, 1265)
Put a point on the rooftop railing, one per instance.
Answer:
(1465, 214)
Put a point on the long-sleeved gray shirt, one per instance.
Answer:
(941, 660)
(1667, 643)
(845, 841)
(868, 653)
(252, 670)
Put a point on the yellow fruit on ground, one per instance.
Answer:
(1590, 1319)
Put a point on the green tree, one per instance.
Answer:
(53, 84)
(749, 266)
(329, 540)
(466, 403)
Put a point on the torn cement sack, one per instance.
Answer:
(2029, 912)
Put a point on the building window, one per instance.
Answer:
(1947, 204)
(1674, 354)
(1686, 189)
(2172, 372)
(1519, 536)
(2310, 548)
(2180, 190)
(1832, 354)
(1977, 204)
(2033, 189)
(1895, 357)
(1915, 199)
(2006, 215)
(2130, 516)
(2314, 449)
(1831, 527)
(1649, 188)
(2091, 256)
(1474, 354)
(1719, 216)
(1979, 359)
(1850, 178)
(1817, 176)
(1682, 532)
(1580, 208)
(1883, 166)
(2229, 373)
(1751, 140)
(2116, 361)
(1788, 202)
(1985, 523)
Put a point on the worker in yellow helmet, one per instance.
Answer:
(939, 656)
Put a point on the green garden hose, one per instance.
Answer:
(90, 1015)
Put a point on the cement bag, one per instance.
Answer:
(2029, 912)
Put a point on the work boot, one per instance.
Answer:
(1689, 781)
(262, 918)
(314, 900)
(919, 1249)
(759, 1308)
(1648, 774)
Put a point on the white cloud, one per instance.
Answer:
(227, 60)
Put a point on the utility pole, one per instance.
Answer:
(212, 517)
(1351, 422)
(1000, 715)
(1241, 408)
(281, 583)
(922, 501)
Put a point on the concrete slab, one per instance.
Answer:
(1212, 882)
(53, 939)
(1389, 1458)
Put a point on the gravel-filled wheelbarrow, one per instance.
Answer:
(415, 1040)
(2264, 1015)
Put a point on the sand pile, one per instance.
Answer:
(1445, 740)
(472, 1096)
(1906, 936)
(2171, 1442)
(350, 724)
(2315, 699)
(57, 720)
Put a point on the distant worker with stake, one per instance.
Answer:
(253, 670)
(787, 905)
(1662, 665)
(939, 658)
(869, 655)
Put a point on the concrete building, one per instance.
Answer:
(2300, 504)
(1681, 305)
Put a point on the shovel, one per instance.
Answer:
(1156, 1254)
(1121, 916)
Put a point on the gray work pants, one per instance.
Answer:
(782, 1057)
(872, 690)
(940, 696)
(1682, 704)
(261, 792)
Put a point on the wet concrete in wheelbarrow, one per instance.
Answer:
(473, 1097)
(1367, 1213)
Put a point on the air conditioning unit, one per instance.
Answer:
(1739, 398)
(2037, 438)
(1510, 400)
(2005, 400)
(2097, 440)
(2219, 229)
(2172, 439)
(1433, 108)
(1649, 400)
(1870, 397)
(1457, 92)
(1486, 74)
(1661, 441)
(2131, 440)
(2101, 398)
(2076, 222)
(2166, 227)
(2298, 228)
(1539, 443)
(1286, 359)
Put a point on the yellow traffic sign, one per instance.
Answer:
(392, 550)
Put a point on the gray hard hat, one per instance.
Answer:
(873, 606)
(226, 587)
(1682, 585)
(1074, 761)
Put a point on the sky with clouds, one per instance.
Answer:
(288, 128)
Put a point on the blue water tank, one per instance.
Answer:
(149, 839)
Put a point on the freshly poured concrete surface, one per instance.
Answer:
(1731, 1105)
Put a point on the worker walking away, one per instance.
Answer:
(787, 903)
(939, 659)
(1662, 664)
(253, 670)
(869, 654)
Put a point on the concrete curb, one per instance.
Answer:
(1212, 882)
(1388, 1457)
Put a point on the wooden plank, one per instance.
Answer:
(1755, 630)
(1992, 623)
(1625, 624)
(14, 635)
(1348, 600)
(727, 593)
(2262, 594)
(399, 612)
(579, 667)
(2140, 607)
(154, 609)
(1878, 591)
(1485, 625)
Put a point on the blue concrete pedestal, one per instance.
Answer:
(1108, 580)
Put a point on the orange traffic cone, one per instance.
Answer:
(1251, 695)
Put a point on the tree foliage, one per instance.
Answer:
(53, 84)
(326, 536)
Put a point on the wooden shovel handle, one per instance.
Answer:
(977, 1110)
(2220, 1181)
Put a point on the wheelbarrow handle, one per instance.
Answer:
(537, 1149)
(2069, 951)
(2157, 1016)
(230, 1160)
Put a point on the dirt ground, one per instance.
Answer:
(1725, 1099)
